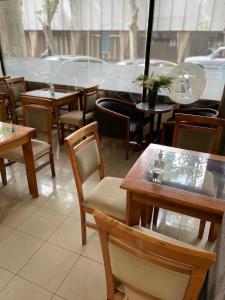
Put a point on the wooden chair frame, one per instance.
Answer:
(193, 122)
(48, 133)
(71, 141)
(10, 82)
(83, 105)
(186, 260)
(3, 104)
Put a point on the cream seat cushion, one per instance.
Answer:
(108, 197)
(18, 111)
(75, 117)
(39, 148)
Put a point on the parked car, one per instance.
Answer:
(214, 60)
(141, 62)
(75, 58)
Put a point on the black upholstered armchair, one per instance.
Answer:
(118, 120)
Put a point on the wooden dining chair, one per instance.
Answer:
(4, 89)
(198, 133)
(79, 118)
(86, 158)
(141, 264)
(15, 87)
(40, 118)
(3, 98)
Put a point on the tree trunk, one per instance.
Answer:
(183, 44)
(133, 29)
(50, 43)
(11, 28)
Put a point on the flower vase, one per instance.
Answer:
(151, 97)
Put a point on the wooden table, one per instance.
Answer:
(55, 100)
(197, 193)
(157, 109)
(12, 136)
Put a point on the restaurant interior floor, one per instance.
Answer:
(41, 256)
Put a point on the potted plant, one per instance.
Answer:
(153, 83)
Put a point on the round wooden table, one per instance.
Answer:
(157, 109)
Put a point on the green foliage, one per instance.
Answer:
(154, 81)
(49, 7)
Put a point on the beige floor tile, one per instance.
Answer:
(17, 186)
(62, 202)
(68, 236)
(6, 200)
(5, 277)
(20, 289)
(86, 281)
(42, 223)
(16, 249)
(44, 192)
(49, 266)
(13, 216)
(4, 231)
(55, 297)
(93, 250)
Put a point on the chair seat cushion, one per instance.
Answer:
(39, 148)
(75, 117)
(108, 197)
(18, 111)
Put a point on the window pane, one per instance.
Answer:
(192, 31)
(76, 42)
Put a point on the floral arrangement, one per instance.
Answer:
(154, 81)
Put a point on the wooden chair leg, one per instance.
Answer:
(127, 149)
(62, 132)
(3, 171)
(83, 228)
(201, 229)
(146, 215)
(51, 159)
(155, 215)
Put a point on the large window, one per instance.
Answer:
(76, 42)
(87, 42)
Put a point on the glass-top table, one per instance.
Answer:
(6, 132)
(187, 172)
(192, 183)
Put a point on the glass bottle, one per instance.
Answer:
(158, 169)
(52, 89)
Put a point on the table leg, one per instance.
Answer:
(146, 215)
(133, 212)
(57, 114)
(159, 123)
(30, 169)
(214, 227)
(151, 127)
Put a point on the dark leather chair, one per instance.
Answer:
(118, 119)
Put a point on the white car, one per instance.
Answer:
(215, 60)
(141, 62)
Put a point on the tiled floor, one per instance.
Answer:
(41, 256)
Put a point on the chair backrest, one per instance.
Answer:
(199, 133)
(150, 266)
(16, 86)
(3, 85)
(85, 155)
(40, 118)
(2, 107)
(86, 91)
(89, 101)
